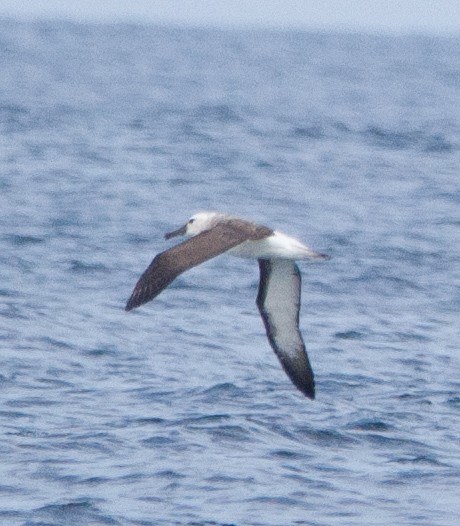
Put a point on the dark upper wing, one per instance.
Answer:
(279, 304)
(166, 266)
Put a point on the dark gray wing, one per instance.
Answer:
(278, 301)
(167, 265)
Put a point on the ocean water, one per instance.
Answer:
(178, 413)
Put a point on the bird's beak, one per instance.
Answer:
(179, 232)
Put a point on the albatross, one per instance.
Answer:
(278, 298)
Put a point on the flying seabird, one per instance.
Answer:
(278, 298)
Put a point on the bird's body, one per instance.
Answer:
(278, 298)
(277, 245)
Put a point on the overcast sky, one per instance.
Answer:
(433, 16)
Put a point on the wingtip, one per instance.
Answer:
(130, 304)
(308, 391)
(303, 380)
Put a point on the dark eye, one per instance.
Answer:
(191, 221)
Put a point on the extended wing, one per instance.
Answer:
(167, 265)
(278, 301)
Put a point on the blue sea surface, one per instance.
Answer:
(178, 413)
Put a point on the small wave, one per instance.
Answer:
(349, 335)
(75, 512)
(21, 240)
(217, 112)
(77, 265)
(404, 140)
(371, 425)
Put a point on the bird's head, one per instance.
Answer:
(197, 223)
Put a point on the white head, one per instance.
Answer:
(197, 223)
